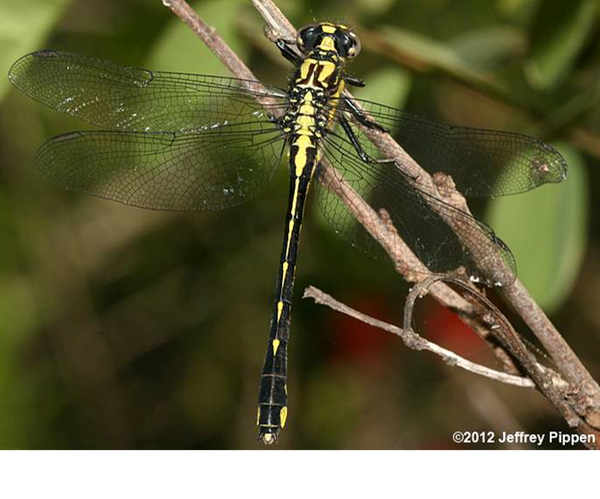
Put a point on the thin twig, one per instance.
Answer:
(210, 37)
(587, 396)
(415, 342)
(549, 383)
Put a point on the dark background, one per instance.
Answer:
(124, 328)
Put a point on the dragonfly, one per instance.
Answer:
(192, 142)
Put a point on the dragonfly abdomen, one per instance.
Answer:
(316, 81)
(272, 400)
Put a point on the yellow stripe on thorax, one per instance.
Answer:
(305, 68)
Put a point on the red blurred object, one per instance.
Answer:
(357, 342)
(444, 327)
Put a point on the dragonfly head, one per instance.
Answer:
(328, 37)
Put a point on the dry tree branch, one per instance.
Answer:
(416, 342)
(548, 382)
(585, 396)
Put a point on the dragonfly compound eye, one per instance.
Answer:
(347, 44)
(308, 37)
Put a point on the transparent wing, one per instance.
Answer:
(207, 169)
(424, 222)
(481, 162)
(111, 96)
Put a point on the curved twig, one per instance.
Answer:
(548, 382)
(416, 342)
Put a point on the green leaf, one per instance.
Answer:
(502, 43)
(389, 86)
(559, 32)
(546, 230)
(23, 26)
(432, 54)
(179, 49)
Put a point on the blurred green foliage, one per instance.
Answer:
(121, 328)
(550, 237)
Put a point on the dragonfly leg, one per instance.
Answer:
(354, 81)
(361, 117)
(284, 47)
(361, 152)
(356, 144)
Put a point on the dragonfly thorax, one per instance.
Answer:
(318, 80)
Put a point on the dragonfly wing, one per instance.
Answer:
(208, 169)
(423, 222)
(111, 96)
(481, 162)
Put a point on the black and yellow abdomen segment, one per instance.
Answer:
(272, 399)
